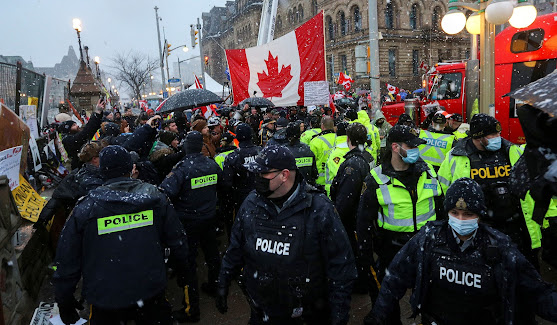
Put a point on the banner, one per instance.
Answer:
(28, 201)
(9, 165)
(28, 113)
(279, 69)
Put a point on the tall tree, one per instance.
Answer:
(134, 70)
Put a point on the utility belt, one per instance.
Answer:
(383, 237)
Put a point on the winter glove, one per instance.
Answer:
(68, 312)
(221, 300)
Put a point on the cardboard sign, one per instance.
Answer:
(316, 93)
(28, 201)
(9, 165)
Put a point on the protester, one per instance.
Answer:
(165, 153)
(200, 126)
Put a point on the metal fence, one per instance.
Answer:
(8, 78)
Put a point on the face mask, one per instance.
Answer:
(412, 155)
(493, 144)
(463, 227)
(379, 122)
(262, 185)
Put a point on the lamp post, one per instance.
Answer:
(97, 60)
(77, 26)
(109, 82)
(488, 13)
(160, 51)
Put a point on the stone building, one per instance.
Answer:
(410, 30)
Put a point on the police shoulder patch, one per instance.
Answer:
(348, 170)
(364, 187)
(336, 160)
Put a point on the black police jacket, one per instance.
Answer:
(296, 256)
(347, 186)
(73, 142)
(77, 184)
(278, 139)
(192, 187)
(303, 154)
(238, 182)
(515, 278)
(115, 238)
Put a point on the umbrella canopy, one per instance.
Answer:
(257, 102)
(541, 93)
(189, 98)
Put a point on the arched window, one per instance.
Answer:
(436, 18)
(314, 7)
(289, 18)
(390, 16)
(357, 18)
(300, 13)
(415, 16)
(279, 23)
(342, 22)
(330, 27)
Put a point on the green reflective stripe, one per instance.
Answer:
(388, 200)
(122, 222)
(304, 161)
(380, 176)
(203, 181)
(453, 167)
(443, 180)
(408, 222)
(438, 150)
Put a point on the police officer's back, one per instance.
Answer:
(305, 159)
(322, 145)
(192, 187)
(464, 272)
(295, 255)
(115, 239)
(438, 142)
(226, 147)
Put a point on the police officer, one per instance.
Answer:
(322, 145)
(237, 180)
(438, 143)
(192, 188)
(454, 121)
(487, 158)
(347, 187)
(462, 271)
(315, 123)
(336, 158)
(115, 239)
(280, 137)
(399, 197)
(292, 247)
(305, 159)
(226, 147)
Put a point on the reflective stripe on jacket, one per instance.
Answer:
(436, 148)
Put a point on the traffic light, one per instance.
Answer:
(206, 60)
(193, 33)
(168, 45)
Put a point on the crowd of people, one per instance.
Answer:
(317, 205)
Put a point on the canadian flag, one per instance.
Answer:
(198, 84)
(143, 105)
(277, 70)
(423, 66)
(338, 95)
(392, 89)
(208, 111)
(345, 81)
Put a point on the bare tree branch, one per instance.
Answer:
(133, 69)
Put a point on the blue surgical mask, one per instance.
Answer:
(412, 155)
(493, 144)
(463, 227)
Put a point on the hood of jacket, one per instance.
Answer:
(122, 191)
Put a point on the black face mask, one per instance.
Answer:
(262, 185)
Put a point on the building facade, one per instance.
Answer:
(411, 35)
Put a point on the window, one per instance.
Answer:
(343, 64)
(314, 7)
(342, 21)
(447, 86)
(525, 73)
(389, 16)
(415, 62)
(414, 17)
(290, 16)
(392, 62)
(436, 18)
(357, 19)
(330, 28)
(330, 64)
(528, 40)
(279, 23)
(300, 13)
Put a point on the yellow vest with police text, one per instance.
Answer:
(437, 147)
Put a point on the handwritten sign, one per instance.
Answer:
(9, 165)
(28, 201)
(316, 93)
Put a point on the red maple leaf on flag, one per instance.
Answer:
(273, 82)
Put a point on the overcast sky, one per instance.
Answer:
(41, 30)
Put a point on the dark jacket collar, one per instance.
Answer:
(299, 200)
(419, 167)
(466, 147)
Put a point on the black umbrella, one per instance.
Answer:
(541, 94)
(257, 102)
(189, 98)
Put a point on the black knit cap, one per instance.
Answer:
(167, 137)
(115, 161)
(482, 125)
(282, 122)
(194, 142)
(293, 130)
(65, 127)
(227, 137)
(465, 194)
(243, 132)
(272, 157)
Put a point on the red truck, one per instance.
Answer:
(521, 56)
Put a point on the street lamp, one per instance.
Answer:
(97, 60)
(487, 15)
(77, 26)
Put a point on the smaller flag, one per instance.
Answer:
(392, 89)
(198, 84)
(208, 111)
(423, 66)
(143, 104)
(338, 95)
(345, 81)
